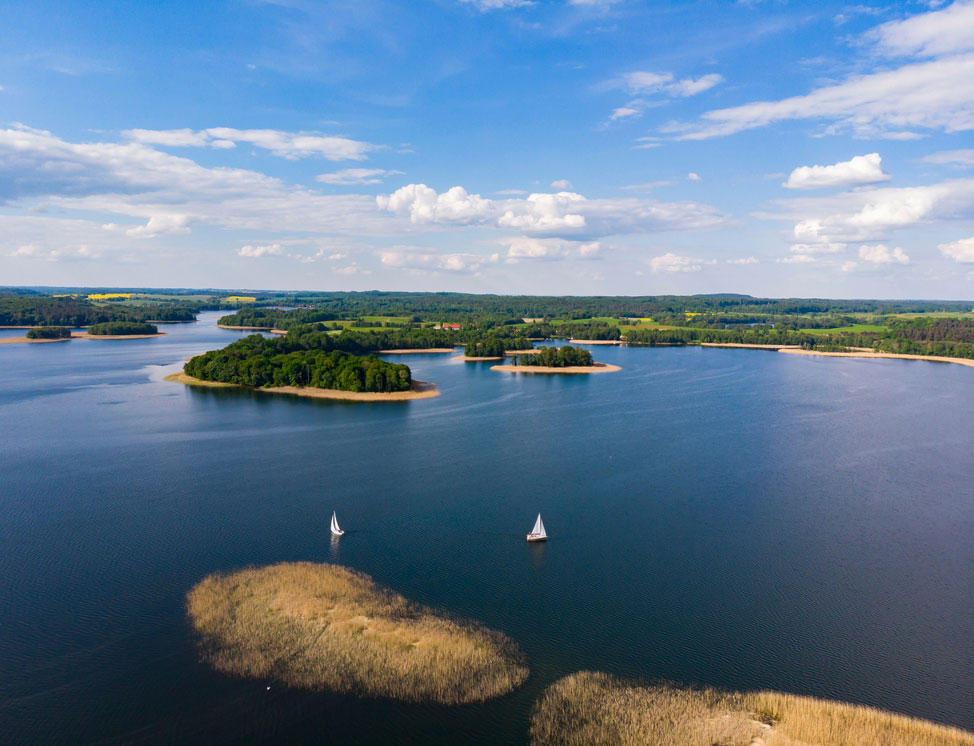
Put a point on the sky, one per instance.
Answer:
(770, 147)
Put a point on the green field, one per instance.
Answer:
(854, 328)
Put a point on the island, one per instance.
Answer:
(590, 707)
(564, 360)
(329, 628)
(41, 334)
(304, 363)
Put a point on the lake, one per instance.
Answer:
(736, 518)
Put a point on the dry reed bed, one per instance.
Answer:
(326, 627)
(591, 709)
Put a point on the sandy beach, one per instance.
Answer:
(27, 340)
(424, 351)
(419, 390)
(750, 346)
(475, 359)
(246, 328)
(77, 335)
(596, 341)
(571, 369)
(891, 355)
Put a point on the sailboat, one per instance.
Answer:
(538, 532)
(335, 530)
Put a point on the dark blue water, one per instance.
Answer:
(735, 518)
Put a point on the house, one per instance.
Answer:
(452, 327)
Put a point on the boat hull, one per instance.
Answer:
(536, 537)
(337, 533)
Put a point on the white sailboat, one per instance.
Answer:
(538, 532)
(335, 530)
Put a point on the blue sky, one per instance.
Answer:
(766, 147)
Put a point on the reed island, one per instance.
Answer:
(327, 627)
(595, 708)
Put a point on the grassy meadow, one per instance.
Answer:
(326, 627)
(595, 709)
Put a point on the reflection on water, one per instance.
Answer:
(722, 517)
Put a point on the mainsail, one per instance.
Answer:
(538, 529)
(334, 525)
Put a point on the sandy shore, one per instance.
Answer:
(77, 335)
(424, 351)
(419, 390)
(891, 355)
(28, 340)
(246, 328)
(86, 335)
(571, 369)
(750, 346)
(596, 341)
(475, 359)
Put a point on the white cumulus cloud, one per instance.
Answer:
(959, 251)
(670, 262)
(882, 254)
(561, 184)
(273, 249)
(862, 169)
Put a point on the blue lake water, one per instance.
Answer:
(737, 518)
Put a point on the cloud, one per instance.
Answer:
(869, 214)
(962, 157)
(882, 254)
(348, 176)
(960, 251)
(692, 176)
(932, 94)
(645, 83)
(485, 6)
(797, 259)
(670, 262)
(550, 248)
(169, 192)
(424, 261)
(862, 169)
(561, 185)
(743, 260)
(159, 225)
(935, 34)
(289, 145)
(560, 214)
(274, 249)
(32, 251)
(817, 248)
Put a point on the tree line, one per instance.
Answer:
(557, 357)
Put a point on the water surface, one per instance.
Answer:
(735, 518)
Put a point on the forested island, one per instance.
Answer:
(557, 357)
(49, 332)
(123, 329)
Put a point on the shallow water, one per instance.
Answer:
(736, 518)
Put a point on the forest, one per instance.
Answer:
(258, 362)
(49, 332)
(557, 357)
(33, 310)
(122, 328)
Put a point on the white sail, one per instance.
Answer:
(538, 529)
(334, 525)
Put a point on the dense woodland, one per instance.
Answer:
(49, 332)
(308, 360)
(558, 357)
(365, 322)
(121, 328)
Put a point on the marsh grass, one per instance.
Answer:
(326, 627)
(595, 709)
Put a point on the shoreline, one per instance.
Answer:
(423, 351)
(418, 390)
(568, 370)
(743, 346)
(76, 335)
(596, 341)
(888, 355)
